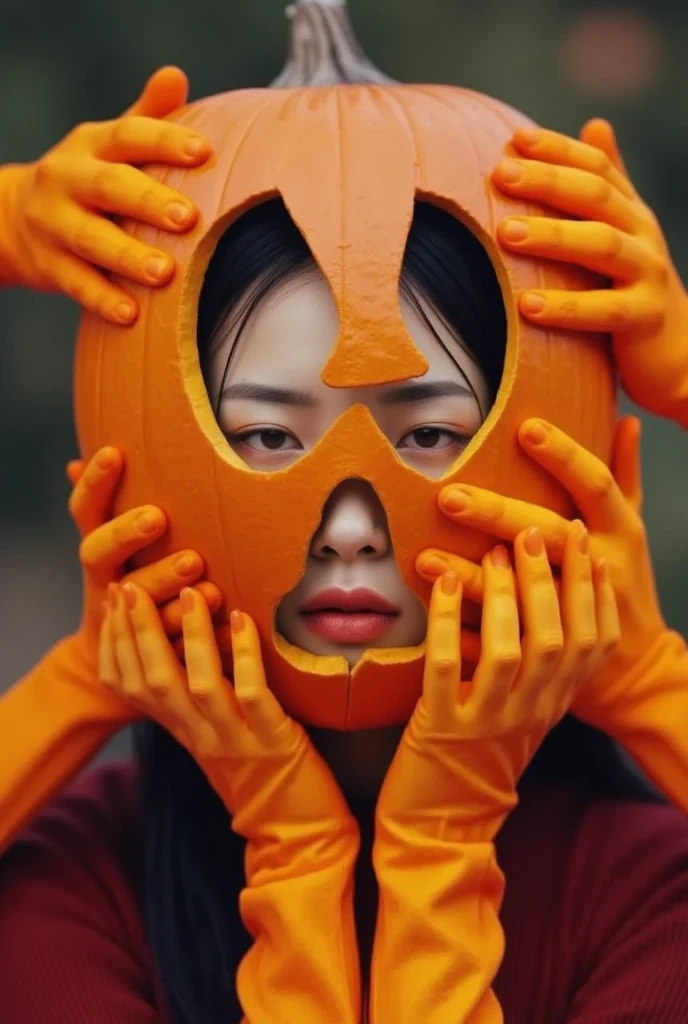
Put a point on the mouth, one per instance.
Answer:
(349, 616)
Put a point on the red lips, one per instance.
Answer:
(358, 600)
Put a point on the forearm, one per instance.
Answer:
(10, 178)
(303, 964)
(51, 725)
(647, 713)
(438, 941)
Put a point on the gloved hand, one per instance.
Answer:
(57, 717)
(640, 695)
(615, 234)
(452, 782)
(55, 228)
(302, 840)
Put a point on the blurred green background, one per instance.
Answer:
(66, 61)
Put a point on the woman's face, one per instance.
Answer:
(274, 408)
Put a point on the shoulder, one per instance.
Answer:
(597, 902)
(69, 904)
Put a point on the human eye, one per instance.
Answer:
(263, 441)
(433, 439)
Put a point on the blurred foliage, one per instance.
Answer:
(65, 61)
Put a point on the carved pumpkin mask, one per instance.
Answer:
(348, 151)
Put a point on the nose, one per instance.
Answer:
(354, 525)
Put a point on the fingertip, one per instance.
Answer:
(123, 313)
(532, 304)
(187, 599)
(534, 432)
(108, 459)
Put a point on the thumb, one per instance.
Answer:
(599, 133)
(166, 90)
(626, 460)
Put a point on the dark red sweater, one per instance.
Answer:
(595, 916)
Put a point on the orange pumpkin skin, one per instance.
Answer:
(348, 161)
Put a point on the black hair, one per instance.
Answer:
(193, 861)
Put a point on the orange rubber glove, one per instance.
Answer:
(55, 228)
(58, 716)
(438, 942)
(302, 840)
(640, 696)
(614, 234)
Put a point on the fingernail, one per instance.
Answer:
(536, 432)
(106, 459)
(112, 595)
(124, 312)
(449, 584)
(155, 267)
(510, 172)
(583, 537)
(187, 600)
(194, 145)
(237, 621)
(601, 570)
(533, 543)
(500, 557)
(432, 565)
(514, 230)
(187, 565)
(147, 522)
(529, 135)
(454, 500)
(178, 213)
(129, 595)
(533, 303)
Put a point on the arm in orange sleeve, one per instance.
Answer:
(301, 838)
(639, 696)
(57, 231)
(439, 941)
(606, 228)
(58, 716)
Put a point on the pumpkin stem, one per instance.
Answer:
(323, 49)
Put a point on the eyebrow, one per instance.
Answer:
(421, 391)
(268, 393)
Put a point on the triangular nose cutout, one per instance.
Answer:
(376, 351)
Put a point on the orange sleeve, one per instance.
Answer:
(297, 905)
(10, 176)
(52, 722)
(647, 713)
(438, 942)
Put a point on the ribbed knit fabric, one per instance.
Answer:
(595, 914)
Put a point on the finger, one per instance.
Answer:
(599, 133)
(598, 247)
(578, 610)
(503, 517)
(625, 463)
(127, 658)
(607, 311)
(104, 551)
(586, 478)
(208, 688)
(163, 580)
(260, 707)
(431, 564)
(442, 671)
(543, 635)
(166, 90)
(163, 673)
(171, 614)
(100, 242)
(568, 190)
(75, 470)
(129, 192)
(606, 613)
(91, 290)
(555, 148)
(500, 640)
(108, 673)
(145, 140)
(91, 500)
